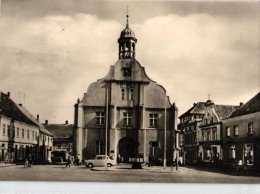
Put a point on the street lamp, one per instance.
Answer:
(164, 160)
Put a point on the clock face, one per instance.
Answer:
(127, 72)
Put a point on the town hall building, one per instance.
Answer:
(126, 109)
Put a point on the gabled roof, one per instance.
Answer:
(11, 110)
(30, 116)
(60, 130)
(198, 108)
(253, 105)
(224, 111)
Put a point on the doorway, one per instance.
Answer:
(127, 148)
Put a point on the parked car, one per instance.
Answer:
(100, 161)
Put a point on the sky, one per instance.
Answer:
(52, 50)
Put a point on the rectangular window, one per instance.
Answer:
(122, 93)
(99, 147)
(8, 130)
(249, 154)
(131, 93)
(232, 152)
(250, 128)
(153, 120)
(23, 133)
(228, 131)
(28, 134)
(203, 136)
(17, 133)
(36, 138)
(127, 116)
(214, 134)
(13, 132)
(208, 136)
(3, 129)
(59, 146)
(100, 118)
(32, 135)
(236, 128)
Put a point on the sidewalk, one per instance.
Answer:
(127, 167)
(6, 165)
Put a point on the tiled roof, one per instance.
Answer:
(11, 110)
(60, 130)
(30, 116)
(253, 105)
(198, 108)
(224, 111)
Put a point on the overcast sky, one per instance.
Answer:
(52, 50)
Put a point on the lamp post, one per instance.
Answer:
(164, 160)
(106, 124)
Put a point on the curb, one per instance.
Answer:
(6, 165)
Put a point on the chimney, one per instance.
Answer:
(20, 104)
(194, 104)
(38, 117)
(8, 94)
(241, 104)
(46, 122)
(66, 122)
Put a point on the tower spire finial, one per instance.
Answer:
(127, 16)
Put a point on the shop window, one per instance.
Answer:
(249, 154)
(250, 128)
(232, 152)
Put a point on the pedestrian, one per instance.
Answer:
(68, 162)
(150, 162)
(26, 164)
(30, 161)
(118, 159)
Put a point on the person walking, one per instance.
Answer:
(68, 162)
(150, 162)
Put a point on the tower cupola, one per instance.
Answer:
(127, 43)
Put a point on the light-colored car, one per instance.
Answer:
(100, 161)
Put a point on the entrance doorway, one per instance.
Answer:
(127, 148)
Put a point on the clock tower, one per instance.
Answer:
(125, 113)
(127, 43)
